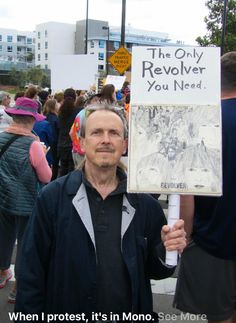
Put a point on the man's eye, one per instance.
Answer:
(95, 132)
(114, 133)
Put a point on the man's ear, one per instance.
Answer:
(125, 146)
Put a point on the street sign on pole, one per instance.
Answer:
(121, 60)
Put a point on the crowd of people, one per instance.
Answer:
(84, 245)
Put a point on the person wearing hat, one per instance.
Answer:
(23, 166)
(5, 119)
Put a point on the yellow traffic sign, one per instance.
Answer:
(121, 60)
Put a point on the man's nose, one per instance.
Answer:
(106, 137)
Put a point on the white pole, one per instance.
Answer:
(173, 216)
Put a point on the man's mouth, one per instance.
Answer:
(105, 150)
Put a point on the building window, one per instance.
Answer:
(0, 48)
(100, 67)
(29, 41)
(116, 44)
(46, 67)
(10, 58)
(38, 46)
(9, 49)
(101, 56)
(46, 45)
(39, 57)
(0, 37)
(29, 50)
(38, 34)
(92, 44)
(46, 56)
(46, 33)
(101, 43)
(9, 39)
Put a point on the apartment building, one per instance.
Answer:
(25, 49)
(53, 38)
(17, 49)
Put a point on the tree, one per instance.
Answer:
(33, 75)
(30, 57)
(214, 23)
(17, 77)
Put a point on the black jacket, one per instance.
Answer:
(58, 269)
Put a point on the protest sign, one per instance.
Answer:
(175, 124)
(116, 80)
(76, 71)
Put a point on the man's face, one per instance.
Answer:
(104, 141)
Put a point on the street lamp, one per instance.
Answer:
(107, 45)
(122, 38)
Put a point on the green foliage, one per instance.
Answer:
(30, 57)
(17, 77)
(33, 75)
(214, 22)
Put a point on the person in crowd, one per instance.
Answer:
(22, 167)
(59, 96)
(91, 246)
(80, 93)
(207, 277)
(108, 94)
(77, 152)
(125, 88)
(127, 105)
(43, 130)
(66, 117)
(5, 119)
(19, 95)
(43, 96)
(31, 92)
(80, 102)
(50, 111)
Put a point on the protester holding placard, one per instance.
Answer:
(207, 275)
(91, 248)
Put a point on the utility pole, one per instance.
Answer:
(224, 19)
(86, 30)
(122, 38)
(107, 47)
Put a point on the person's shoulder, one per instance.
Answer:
(68, 184)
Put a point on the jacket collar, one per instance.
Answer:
(73, 182)
(81, 204)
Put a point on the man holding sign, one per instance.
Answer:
(91, 248)
(207, 276)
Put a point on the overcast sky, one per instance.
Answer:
(181, 19)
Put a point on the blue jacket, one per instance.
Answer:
(58, 269)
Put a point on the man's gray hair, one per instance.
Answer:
(101, 107)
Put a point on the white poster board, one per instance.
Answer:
(76, 71)
(175, 75)
(116, 80)
(175, 121)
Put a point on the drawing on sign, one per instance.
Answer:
(175, 149)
